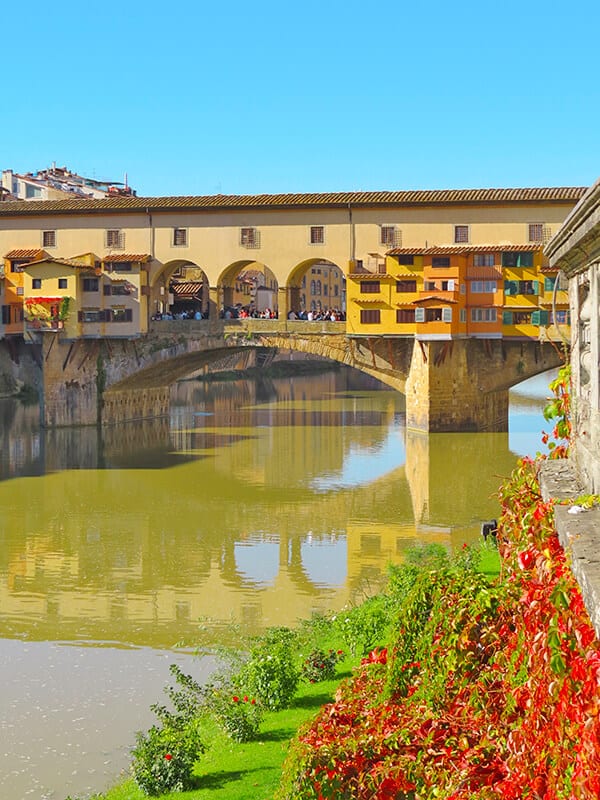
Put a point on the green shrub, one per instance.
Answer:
(320, 665)
(240, 717)
(270, 673)
(363, 627)
(164, 758)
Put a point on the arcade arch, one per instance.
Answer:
(316, 284)
(180, 288)
(247, 288)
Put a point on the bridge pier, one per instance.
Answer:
(69, 385)
(446, 389)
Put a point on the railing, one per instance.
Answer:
(44, 325)
(207, 327)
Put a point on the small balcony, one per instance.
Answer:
(51, 325)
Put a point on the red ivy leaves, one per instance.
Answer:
(520, 712)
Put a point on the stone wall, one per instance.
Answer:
(575, 250)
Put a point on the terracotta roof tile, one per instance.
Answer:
(435, 297)
(67, 262)
(27, 252)
(305, 200)
(120, 258)
(464, 249)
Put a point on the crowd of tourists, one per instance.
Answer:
(251, 312)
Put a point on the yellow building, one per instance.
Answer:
(291, 235)
(85, 297)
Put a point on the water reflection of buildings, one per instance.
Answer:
(250, 514)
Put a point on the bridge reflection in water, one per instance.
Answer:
(259, 502)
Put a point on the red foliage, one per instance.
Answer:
(519, 715)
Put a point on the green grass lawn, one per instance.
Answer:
(249, 771)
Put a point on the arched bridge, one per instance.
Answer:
(457, 385)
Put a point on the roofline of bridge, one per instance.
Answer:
(274, 202)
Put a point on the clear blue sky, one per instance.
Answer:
(231, 97)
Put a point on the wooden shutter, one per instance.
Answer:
(446, 315)
(419, 315)
(507, 318)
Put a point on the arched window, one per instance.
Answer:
(318, 292)
(313, 287)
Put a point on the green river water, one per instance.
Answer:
(254, 502)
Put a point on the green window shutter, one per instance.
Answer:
(535, 317)
(507, 317)
(536, 287)
(549, 284)
(511, 287)
(544, 317)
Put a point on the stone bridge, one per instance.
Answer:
(456, 385)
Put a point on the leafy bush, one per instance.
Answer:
(271, 673)
(164, 758)
(320, 665)
(240, 717)
(363, 627)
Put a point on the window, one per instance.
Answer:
(370, 316)
(521, 287)
(62, 283)
(483, 260)
(536, 232)
(549, 283)
(115, 239)
(517, 259)
(325, 288)
(406, 260)
(390, 235)
(560, 318)
(461, 234)
(429, 286)
(92, 315)
(36, 283)
(6, 315)
(404, 315)
(118, 266)
(180, 237)
(318, 289)
(369, 287)
(483, 315)
(483, 287)
(317, 234)
(448, 286)
(48, 238)
(433, 315)
(440, 261)
(117, 289)
(90, 284)
(406, 286)
(118, 315)
(463, 315)
(250, 237)
(17, 266)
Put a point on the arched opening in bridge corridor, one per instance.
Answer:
(180, 291)
(247, 289)
(316, 288)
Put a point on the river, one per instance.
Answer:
(253, 504)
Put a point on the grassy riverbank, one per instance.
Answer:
(251, 770)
